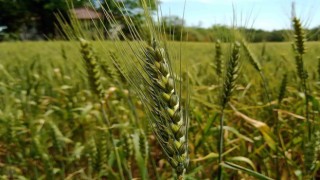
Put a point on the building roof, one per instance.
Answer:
(86, 13)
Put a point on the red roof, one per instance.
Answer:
(86, 13)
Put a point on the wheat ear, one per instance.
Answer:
(218, 59)
(169, 123)
(153, 78)
(299, 36)
(96, 86)
(299, 47)
(251, 56)
(254, 61)
(92, 67)
(232, 74)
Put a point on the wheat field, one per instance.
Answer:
(52, 126)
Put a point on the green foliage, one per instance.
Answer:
(33, 13)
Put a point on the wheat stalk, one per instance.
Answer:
(299, 48)
(318, 67)
(283, 87)
(232, 74)
(310, 147)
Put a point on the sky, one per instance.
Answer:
(260, 14)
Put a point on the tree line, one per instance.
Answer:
(174, 26)
(18, 15)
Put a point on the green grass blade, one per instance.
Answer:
(246, 170)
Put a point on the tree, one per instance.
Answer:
(173, 26)
(276, 36)
(13, 14)
(37, 13)
(314, 34)
(122, 9)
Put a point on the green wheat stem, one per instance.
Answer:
(318, 67)
(221, 145)
(266, 89)
(303, 77)
(105, 118)
(305, 88)
(280, 98)
(276, 122)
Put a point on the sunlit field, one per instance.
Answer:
(52, 125)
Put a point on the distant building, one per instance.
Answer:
(91, 20)
(88, 19)
(86, 13)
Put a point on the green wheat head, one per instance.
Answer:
(128, 144)
(102, 151)
(119, 73)
(299, 36)
(218, 59)
(299, 47)
(143, 146)
(251, 56)
(92, 154)
(232, 74)
(107, 70)
(168, 120)
(92, 67)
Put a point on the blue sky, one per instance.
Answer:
(264, 14)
